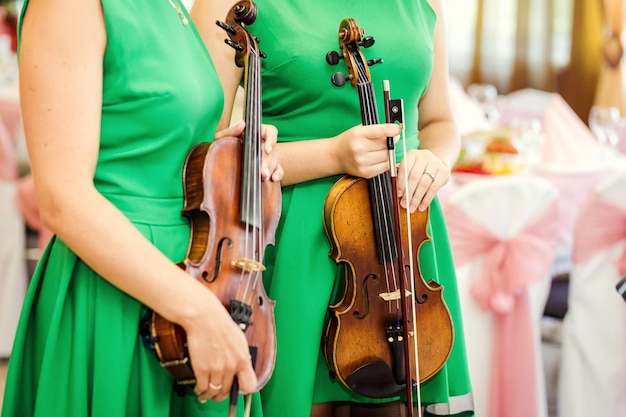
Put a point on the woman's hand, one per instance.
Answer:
(218, 350)
(270, 167)
(362, 150)
(426, 175)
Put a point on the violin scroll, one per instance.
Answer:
(351, 38)
(242, 13)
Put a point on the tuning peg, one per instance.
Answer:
(262, 54)
(227, 28)
(371, 62)
(367, 41)
(233, 45)
(333, 57)
(339, 78)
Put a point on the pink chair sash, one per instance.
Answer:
(601, 224)
(509, 267)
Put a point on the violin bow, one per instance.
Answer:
(394, 113)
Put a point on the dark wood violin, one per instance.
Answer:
(391, 329)
(233, 217)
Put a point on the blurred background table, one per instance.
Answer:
(514, 146)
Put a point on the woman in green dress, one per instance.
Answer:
(114, 94)
(320, 139)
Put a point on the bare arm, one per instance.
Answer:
(205, 13)
(62, 49)
(439, 139)
(360, 151)
(438, 131)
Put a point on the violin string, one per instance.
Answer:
(252, 139)
(384, 226)
(257, 175)
(245, 180)
(256, 62)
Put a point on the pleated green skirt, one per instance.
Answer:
(303, 279)
(78, 350)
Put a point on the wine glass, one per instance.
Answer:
(486, 95)
(527, 137)
(603, 122)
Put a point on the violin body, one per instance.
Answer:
(363, 344)
(217, 256)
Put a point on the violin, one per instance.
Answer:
(233, 217)
(391, 330)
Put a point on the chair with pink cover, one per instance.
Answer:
(13, 271)
(503, 234)
(592, 379)
(13, 278)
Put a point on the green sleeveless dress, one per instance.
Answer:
(78, 350)
(300, 100)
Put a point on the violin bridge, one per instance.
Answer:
(248, 265)
(393, 296)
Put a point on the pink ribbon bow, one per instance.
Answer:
(601, 224)
(509, 267)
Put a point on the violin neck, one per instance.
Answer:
(367, 99)
(251, 165)
(380, 186)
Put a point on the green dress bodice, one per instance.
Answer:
(78, 350)
(299, 98)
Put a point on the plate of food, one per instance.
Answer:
(489, 153)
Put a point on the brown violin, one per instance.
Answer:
(391, 330)
(233, 217)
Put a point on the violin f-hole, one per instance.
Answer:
(218, 259)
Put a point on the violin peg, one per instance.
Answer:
(371, 62)
(226, 27)
(367, 41)
(339, 78)
(233, 45)
(333, 57)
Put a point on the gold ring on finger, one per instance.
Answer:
(215, 387)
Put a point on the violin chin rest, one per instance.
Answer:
(374, 380)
